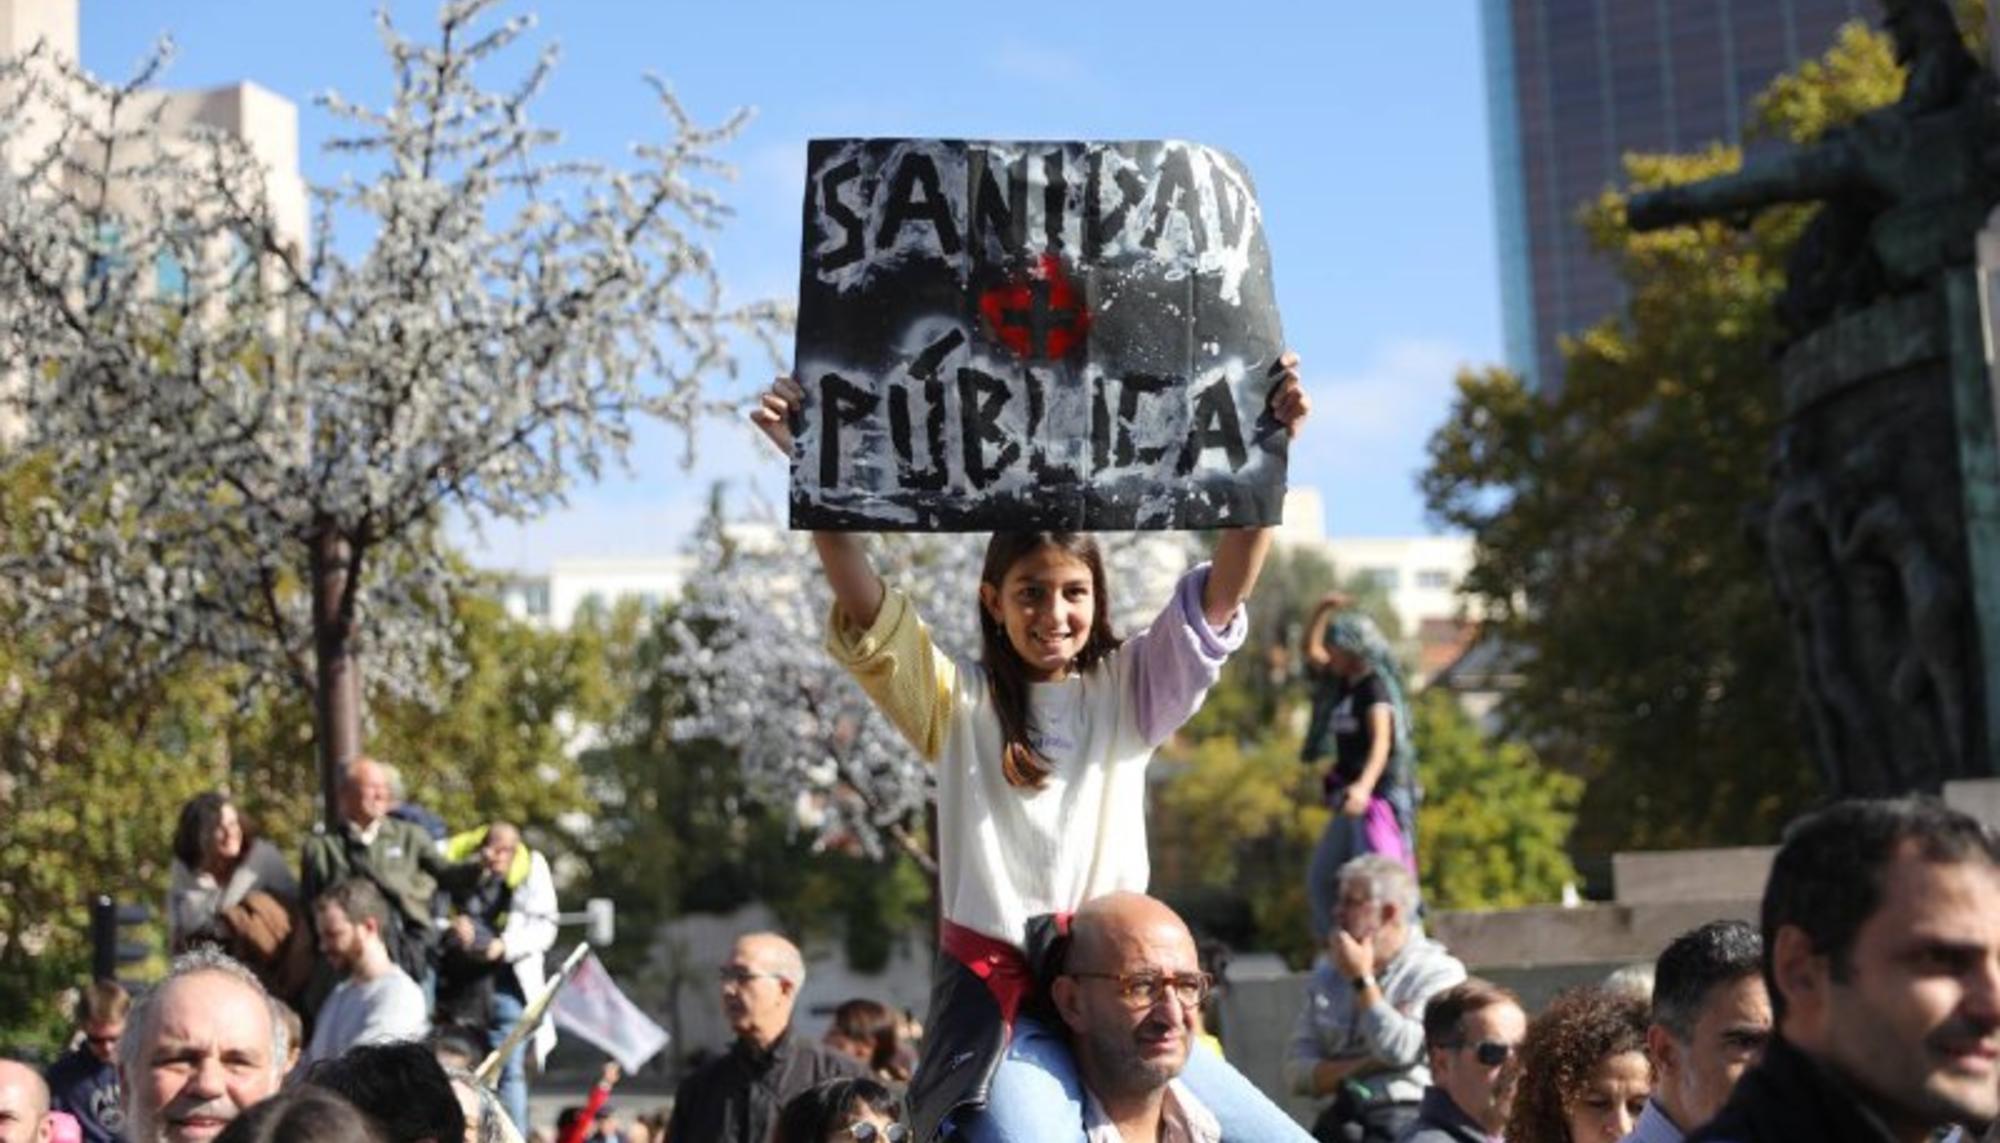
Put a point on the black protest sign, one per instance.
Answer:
(1034, 335)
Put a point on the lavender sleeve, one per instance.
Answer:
(1179, 657)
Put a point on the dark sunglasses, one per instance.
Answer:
(868, 1133)
(1491, 1053)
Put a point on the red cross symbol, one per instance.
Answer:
(1039, 314)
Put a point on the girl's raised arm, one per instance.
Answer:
(842, 557)
(1239, 558)
(855, 585)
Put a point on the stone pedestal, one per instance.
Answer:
(1883, 537)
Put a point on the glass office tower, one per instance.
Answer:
(1572, 85)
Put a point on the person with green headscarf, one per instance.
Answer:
(1359, 718)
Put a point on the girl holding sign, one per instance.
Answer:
(1041, 747)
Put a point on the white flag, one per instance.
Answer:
(591, 1006)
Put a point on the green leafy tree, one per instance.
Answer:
(1613, 546)
(94, 768)
(1232, 826)
(1494, 822)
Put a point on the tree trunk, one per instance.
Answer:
(337, 678)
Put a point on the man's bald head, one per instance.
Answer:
(773, 954)
(24, 1104)
(1129, 991)
(364, 792)
(760, 985)
(1103, 922)
(498, 847)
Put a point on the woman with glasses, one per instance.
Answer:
(842, 1111)
(1584, 1072)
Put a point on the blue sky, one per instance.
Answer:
(1364, 126)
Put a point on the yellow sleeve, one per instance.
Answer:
(910, 680)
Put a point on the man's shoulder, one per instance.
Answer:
(321, 844)
(832, 1064)
(702, 1080)
(1432, 963)
(396, 987)
(408, 835)
(73, 1067)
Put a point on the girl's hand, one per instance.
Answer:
(1288, 402)
(1354, 801)
(775, 409)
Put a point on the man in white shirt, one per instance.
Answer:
(1129, 991)
(375, 1000)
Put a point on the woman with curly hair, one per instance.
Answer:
(1584, 1073)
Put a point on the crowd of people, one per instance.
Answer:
(392, 929)
(1864, 1006)
(1066, 1004)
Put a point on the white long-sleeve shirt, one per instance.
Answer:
(1006, 854)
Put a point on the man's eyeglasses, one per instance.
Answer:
(738, 975)
(1489, 1053)
(868, 1133)
(1144, 989)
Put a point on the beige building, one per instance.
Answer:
(266, 122)
(1420, 575)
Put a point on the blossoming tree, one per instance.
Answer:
(249, 443)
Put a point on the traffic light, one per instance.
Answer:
(108, 949)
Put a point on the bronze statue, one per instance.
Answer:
(1904, 188)
(1881, 530)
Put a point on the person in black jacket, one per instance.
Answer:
(1881, 927)
(84, 1081)
(736, 1097)
(1472, 1033)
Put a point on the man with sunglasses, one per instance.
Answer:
(1711, 1019)
(736, 1097)
(1359, 1039)
(84, 1082)
(1471, 1033)
(1129, 990)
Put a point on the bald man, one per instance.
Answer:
(1129, 992)
(398, 856)
(24, 1104)
(736, 1097)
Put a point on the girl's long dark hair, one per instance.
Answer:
(1006, 674)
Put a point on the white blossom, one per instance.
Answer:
(473, 324)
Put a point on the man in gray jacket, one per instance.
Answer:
(1359, 1040)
